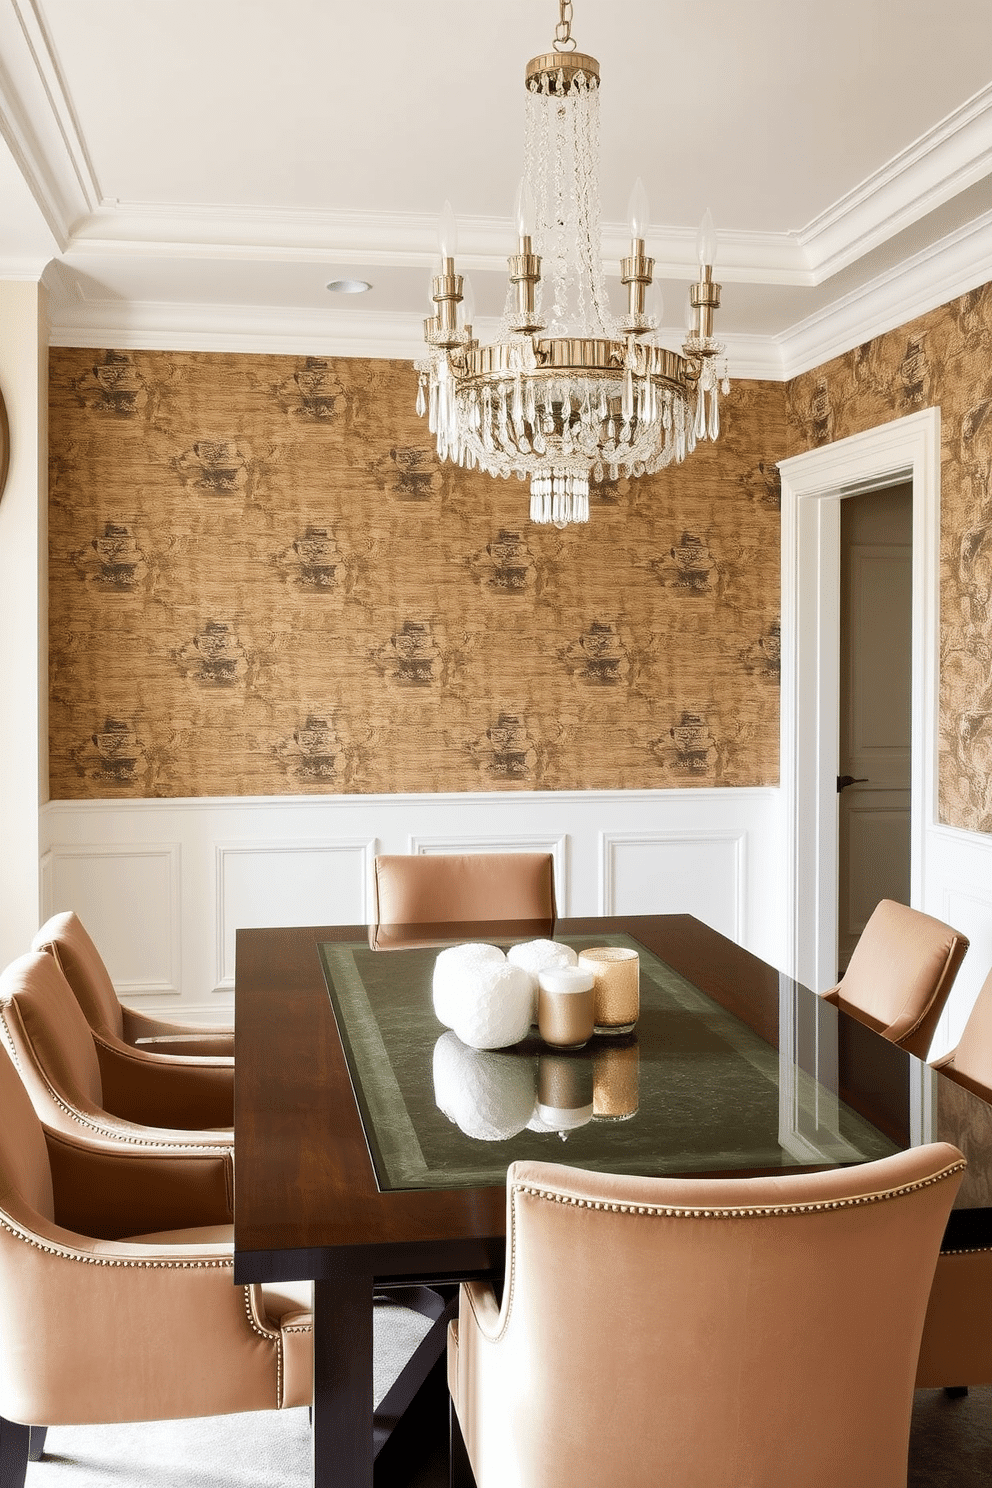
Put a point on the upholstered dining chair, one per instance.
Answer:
(900, 974)
(105, 1315)
(957, 1340)
(428, 888)
(763, 1330)
(65, 937)
(79, 1084)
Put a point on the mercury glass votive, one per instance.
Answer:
(616, 1080)
(616, 972)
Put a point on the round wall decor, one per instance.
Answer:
(4, 444)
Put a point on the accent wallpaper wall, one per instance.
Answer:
(942, 358)
(263, 583)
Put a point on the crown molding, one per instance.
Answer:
(154, 326)
(934, 276)
(958, 263)
(952, 156)
(38, 123)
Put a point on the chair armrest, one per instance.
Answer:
(216, 1039)
(217, 1047)
(477, 1303)
(110, 1190)
(182, 1092)
(98, 1331)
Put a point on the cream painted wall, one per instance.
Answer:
(23, 610)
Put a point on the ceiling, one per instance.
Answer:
(191, 173)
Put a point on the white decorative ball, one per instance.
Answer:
(536, 956)
(453, 969)
(489, 1096)
(495, 1008)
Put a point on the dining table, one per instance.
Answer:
(372, 1144)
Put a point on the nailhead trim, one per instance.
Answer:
(114, 1133)
(757, 1211)
(99, 1260)
(658, 1211)
(270, 1335)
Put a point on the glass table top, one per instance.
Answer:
(693, 1089)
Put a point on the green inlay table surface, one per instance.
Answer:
(439, 1114)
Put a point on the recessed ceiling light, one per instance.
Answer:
(349, 286)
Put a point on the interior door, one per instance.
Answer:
(875, 702)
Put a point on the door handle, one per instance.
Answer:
(843, 781)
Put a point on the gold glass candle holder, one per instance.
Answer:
(565, 1006)
(616, 1080)
(616, 971)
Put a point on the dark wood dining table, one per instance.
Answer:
(347, 1174)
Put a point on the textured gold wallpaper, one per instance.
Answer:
(262, 582)
(943, 358)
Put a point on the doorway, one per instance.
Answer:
(813, 488)
(875, 734)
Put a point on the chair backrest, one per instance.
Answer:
(65, 938)
(49, 1039)
(899, 977)
(765, 1330)
(971, 1062)
(430, 888)
(25, 1171)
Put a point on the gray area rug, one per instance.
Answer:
(951, 1447)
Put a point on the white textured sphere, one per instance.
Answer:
(489, 1096)
(496, 1007)
(453, 969)
(536, 956)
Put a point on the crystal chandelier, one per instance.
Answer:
(568, 393)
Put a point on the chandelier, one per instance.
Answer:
(568, 393)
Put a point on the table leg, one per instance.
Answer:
(342, 1381)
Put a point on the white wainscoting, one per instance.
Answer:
(958, 889)
(163, 886)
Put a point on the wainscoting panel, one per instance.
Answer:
(701, 874)
(104, 883)
(285, 883)
(165, 918)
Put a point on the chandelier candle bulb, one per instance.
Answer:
(565, 1006)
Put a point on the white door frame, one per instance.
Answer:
(813, 485)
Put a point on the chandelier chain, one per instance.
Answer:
(564, 40)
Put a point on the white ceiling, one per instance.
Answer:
(192, 172)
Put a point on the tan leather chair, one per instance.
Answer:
(431, 888)
(762, 1330)
(65, 938)
(957, 1339)
(80, 1084)
(105, 1315)
(970, 1063)
(899, 977)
